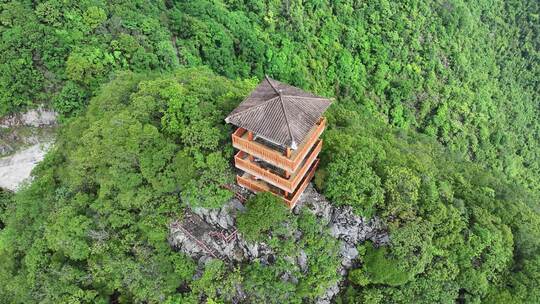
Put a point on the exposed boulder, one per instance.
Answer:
(5, 148)
(348, 253)
(211, 233)
(349, 228)
(342, 222)
(32, 118)
(302, 261)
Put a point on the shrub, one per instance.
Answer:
(71, 100)
(351, 181)
(5, 201)
(264, 212)
(379, 269)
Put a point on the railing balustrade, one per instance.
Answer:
(275, 158)
(285, 184)
(291, 202)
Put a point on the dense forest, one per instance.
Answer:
(435, 130)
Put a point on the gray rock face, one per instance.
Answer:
(24, 141)
(215, 229)
(5, 149)
(223, 217)
(34, 118)
(348, 254)
(211, 233)
(349, 228)
(331, 292)
(342, 222)
(302, 261)
(16, 169)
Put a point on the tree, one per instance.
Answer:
(402, 193)
(378, 268)
(264, 212)
(108, 192)
(351, 181)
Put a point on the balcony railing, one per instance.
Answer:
(286, 184)
(292, 201)
(252, 185)
(257, 186)
(289, 164)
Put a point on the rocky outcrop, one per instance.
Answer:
(211, 233)
(33, 118)
(15, 169)
(349, 228)
(24, 141)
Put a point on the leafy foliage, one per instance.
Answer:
(264, 211)
(107, 192)
(464, 72)
(148, 146)
(379, 269)
(266, 283)
(5, 201)
(57, 50)
(350, 181)
(215, 283)
(452, 224)
(463, 222)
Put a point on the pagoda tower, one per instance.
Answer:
(278, 138)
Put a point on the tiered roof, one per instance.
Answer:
(279, 112)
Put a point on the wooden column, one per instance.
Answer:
(287, 153)
(250, 138)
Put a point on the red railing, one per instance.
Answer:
(273, 157)
(309, 161)
(247, 183)
(283, 183)
(311, 140)
(291, 202)
(248, 166)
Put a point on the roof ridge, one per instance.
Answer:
(227, 119)
(293, 143)
(271, 85)
(249, 109)
(279, 112)
(306, 97)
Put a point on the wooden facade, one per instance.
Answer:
(278, 138)
(266, 169)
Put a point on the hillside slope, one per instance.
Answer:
(464, 72)
(92, 227)
(435, 130)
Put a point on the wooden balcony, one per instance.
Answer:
(286, 184)
(289, 164)
(259, 186)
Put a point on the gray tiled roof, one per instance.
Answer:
(279, 112)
